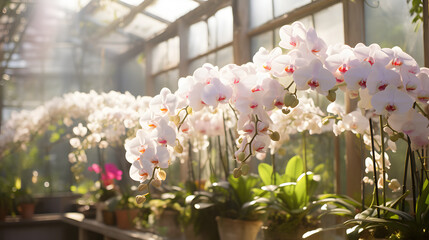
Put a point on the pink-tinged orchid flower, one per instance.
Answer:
(410, 123)
(391, 101)
(371, 54)
(422, 93)
(410, 82)
(339, 64)
(315, 44)
(314, 76)
(379, 78)
(164, 133)
(158, 156)
(216, 92)
(141, 170)
(274, 94)
(356, 77)
(292, 36)
(264, 58)
(401, 60)
(137, 146)
(356, 122)
(164, 103)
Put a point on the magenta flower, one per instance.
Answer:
(94, 168)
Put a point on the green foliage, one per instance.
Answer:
(23, 196)
(289, 197)
(416, 10)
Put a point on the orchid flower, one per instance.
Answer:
(391, 100)
(314, 77)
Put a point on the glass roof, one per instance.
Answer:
(171, 10)
(144, 26)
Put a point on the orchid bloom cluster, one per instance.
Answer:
(388, 83)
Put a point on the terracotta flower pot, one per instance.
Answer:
(109, 218)
(26, 210)
(237, 229)
(125, 217)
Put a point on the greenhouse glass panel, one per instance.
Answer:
(196, 64)
(171, 10)
(225, 56)
(198, 39)
(144, 26)
(224, 22)
(173, 51)
(212, 32)
(329, 24)
(388, 24)
(159, 56)
(261, 11)
(284, 6)
(262, 40)
(107, 13)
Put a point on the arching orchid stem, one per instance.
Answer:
(251, 141)
(421, 110)
(184, 118)
(413, 169)
(362, 157)
(424, 169)
(371, 128)
(212, 170)
(150, 180)
(233, 110)
(304, 154)
(191, 168)
(222, 160)
(226, 142)
(273, 174)
(383, 160)
(290, 85)
(404, 184)
(234, 146)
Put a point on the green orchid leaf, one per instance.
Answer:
(294, 169)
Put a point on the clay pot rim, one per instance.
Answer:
(256, 222)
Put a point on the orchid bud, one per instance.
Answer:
(275, 136)
(237, 172)
(394, 137)
(156, 183)
(178, 148)
(175, 119)
(244, 169)
(189, 110)
(332, 96)
(142, 187)
(240, 140)
(162, 175)
(140, 199)
(325, 121)
(290, 100)
(285, 110)
(241, 156)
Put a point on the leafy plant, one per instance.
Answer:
(289, 196)
(23, 196)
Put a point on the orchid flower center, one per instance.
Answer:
(154, 161)
(151, 125)
(143, 174)
(221, 98)
(411, 87)
(382, 87)
(142, 149)
(362, 83)
(292, 44)
(253, 105)
(290, 68)
(396, 62)
(370, 60)
(162, 141)
(236, 80)
(423, 98)
(339, 80)
(343, 68)
(390, 108)
(278, 103)
(164, 109)
(257, 89)
(313, 83)
(267, 67)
